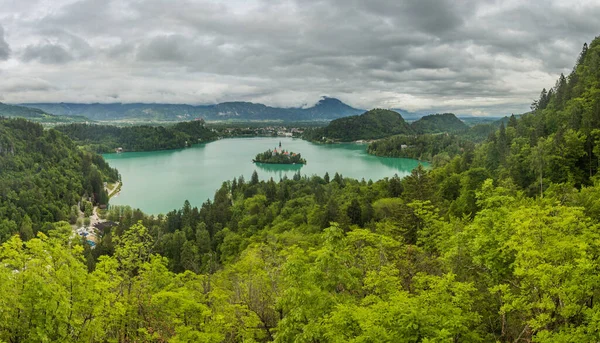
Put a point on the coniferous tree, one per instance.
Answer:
(254, 178)
(512, 121)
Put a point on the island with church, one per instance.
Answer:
(279, 156)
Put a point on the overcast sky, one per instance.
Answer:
(470, 57)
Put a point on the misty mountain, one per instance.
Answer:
(326, 109)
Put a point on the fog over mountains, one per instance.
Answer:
(325, 109)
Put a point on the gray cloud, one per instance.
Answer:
(58, 47)
(481, 57)
(4, 48)
(25, 85)
(46, 53)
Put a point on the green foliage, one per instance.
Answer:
(42, 175)
(279, 157)
(438, 148)
(106, 138)
(376, 123)
(438, 123)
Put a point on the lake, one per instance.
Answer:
(160, 181)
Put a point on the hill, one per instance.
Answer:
(437, 123)
(107, 138)
(373, 124)
(43, 174)
(325, 109)
(37, 115)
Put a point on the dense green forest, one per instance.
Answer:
(106, 138)
(279, 157)
(378, 123)
(436, 123)
(373, 124)
(498, 243)
(436, 148)
(42, 175)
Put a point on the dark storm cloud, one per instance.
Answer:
(475, 56)
(4, 48)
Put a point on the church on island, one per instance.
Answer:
(280, 156)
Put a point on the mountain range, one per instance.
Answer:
(325, 109)
(37, 115)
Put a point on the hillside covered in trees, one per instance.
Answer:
(436, 123)
(499, 243)
(373, 124)
(435, 148)
(107, 138)
(42, 175)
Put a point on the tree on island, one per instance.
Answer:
(279, 157)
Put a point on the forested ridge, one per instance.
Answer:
(435, 148)
(373, 124)
(437, 143)
(380, 124)
(497, 243)
(107, 138)
(436, 123)
(42, 175)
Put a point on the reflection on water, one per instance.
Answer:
(404, 165)
(277, 171)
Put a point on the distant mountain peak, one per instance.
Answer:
(325, 98)
(327, 101)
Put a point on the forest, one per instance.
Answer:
(498, 243)
(42, 175)
(107, 138)
(436, 123)
(373, 124)
(438, 148)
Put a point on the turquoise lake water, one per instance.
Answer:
(160, 181)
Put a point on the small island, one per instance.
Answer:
(280, 156)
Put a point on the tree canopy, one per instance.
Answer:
(42, 175)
